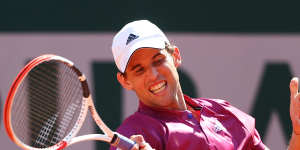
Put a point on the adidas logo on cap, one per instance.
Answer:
(131, 37)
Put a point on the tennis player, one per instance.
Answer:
(166, 118)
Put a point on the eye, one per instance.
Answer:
(159, 60)
(139, 71)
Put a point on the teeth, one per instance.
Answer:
(159, 87)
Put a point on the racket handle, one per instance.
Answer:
(122, 142)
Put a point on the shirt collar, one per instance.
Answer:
(159, 112)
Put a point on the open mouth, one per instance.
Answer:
(160, 86)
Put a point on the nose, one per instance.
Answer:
(152, 73)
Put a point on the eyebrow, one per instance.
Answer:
(157, 54)
(136, 66)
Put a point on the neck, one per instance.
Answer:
(180, 99)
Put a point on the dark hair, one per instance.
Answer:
(123, 74)
(170, 48)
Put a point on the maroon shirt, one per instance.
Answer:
(208, 124)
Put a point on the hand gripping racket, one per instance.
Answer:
(47, 105)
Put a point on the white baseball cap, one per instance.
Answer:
(135, 35)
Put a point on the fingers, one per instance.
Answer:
(141, 143)
(294, 87)
(139, 139)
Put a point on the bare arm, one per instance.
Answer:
(295, 114)
(294, 142)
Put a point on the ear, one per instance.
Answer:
(124, 82)
(176, 57)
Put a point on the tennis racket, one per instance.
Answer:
(47, 105)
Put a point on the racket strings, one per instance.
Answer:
(19, 109)
(19, 116)
(44, 77)
(71, 93)
(31, 102)
(74, 94)
(53, 103)
(66, 109)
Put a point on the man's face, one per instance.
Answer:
(152, 74)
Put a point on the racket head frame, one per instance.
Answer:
(10, 99)
(109, 136)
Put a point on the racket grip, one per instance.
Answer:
(122, 142)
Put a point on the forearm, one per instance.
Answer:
(294, 142)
